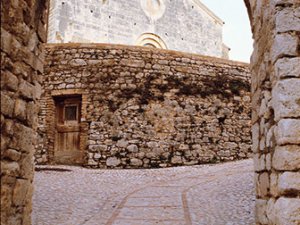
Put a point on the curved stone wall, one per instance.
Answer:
(148, 108)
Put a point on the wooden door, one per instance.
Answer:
(67, 135)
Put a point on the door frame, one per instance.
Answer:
(51, 121)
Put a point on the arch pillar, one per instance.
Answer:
(275, 67)
(22, 34)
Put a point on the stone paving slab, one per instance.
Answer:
(207, 194)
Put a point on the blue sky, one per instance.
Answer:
(236, 31)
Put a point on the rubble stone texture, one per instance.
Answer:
(148, 108)
(276, 31)
(275, 109)
(22, 32)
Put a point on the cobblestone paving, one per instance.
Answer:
(220, 194)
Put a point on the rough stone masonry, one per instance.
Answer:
(145, 108)
(22, 32)
(275, 25)
(276, 109)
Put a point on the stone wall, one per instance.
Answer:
(276, 109)
(146, 107)
(182, 25)
(22, 32)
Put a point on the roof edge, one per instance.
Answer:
(208, 11)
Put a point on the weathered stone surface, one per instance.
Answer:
(263, 184)
(20, 192)
(192, 28)
(289, 182)
(7, 105)
(20, 109)
(136, 162)
(275, 68)
(286, 158)
(136, 108)
(176, 160)
(22, 28)
(78, 62)
(287, 67)
(284, 211)
(286, 99)
(113, 161)
(11, 154)
(261, 211)
(132, 148)
(289, 48)
(288, 131)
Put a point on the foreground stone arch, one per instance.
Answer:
(275, 100)
(275, 65)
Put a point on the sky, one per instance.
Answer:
(236, 31)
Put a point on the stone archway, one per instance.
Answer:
(275, 99)
(276, 109)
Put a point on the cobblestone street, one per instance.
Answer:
(221, 194)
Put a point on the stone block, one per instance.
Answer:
(122, 143)
(9, 80)
(286, 99)
(287, 67)
(26, 90)
(261, 211)
(259, 162)
(255, 138)
(11, 154)
(289, 182)
(20, 192)
(284, 211)
(132, 148)
(286, 20)
(7, 105)
(286, 157)
(274, 185)
(284, 45)
(176, 160)
(10, 168)
(20, 109)
(288, 131)
(113, 161)
(26, 166)
(136, 162)
(77, 62)
(24, 138)
(263, 185)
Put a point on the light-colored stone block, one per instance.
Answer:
(288, 131)
(287, 67)
(289, 182)
(260, 211)
(284, 44)
(286, 20)
(286, 157)
(255, 137)
(286, 99)
(284, 211)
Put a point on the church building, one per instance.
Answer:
(181, 25)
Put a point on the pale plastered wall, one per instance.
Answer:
(183, 25)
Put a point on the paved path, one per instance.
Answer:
(220, 194)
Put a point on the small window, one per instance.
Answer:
(70, 112)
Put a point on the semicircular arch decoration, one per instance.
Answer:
(151, 40)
